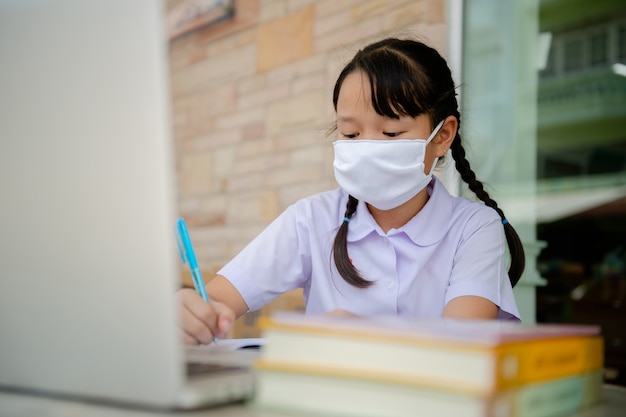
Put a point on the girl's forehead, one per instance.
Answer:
(355, 91)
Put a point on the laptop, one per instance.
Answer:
(88, 260)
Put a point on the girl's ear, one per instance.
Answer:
(444, 138)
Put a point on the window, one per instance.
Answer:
(598, 49)
(621, 43)
(573, 55)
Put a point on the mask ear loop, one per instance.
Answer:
(430, 138)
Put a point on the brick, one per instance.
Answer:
(290, 194)
(215, 72)
(254, 147)
(214, 204)
(285, 40)
(251, 164)
(303, 110)
(204, 219)
(307, 83)
(368, 9)
(332, 22)
(408, 14)
(253, 131)
(258, 206)
(240, 118)
(216, 139)
(300, 138)
(263, 97)
(204, 103)
(195, 174)
(328, 7)
(291, 71)
(223, 162)
(436, 11)
(249, 182)
(308, 155)
(188, 205)
(277, 160)
(272, 9)
(355, 33)
(214, 235)
(292, 175)
(252, 83)
(238, 40)
(294, 5)
(188, 119)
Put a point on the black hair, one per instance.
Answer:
(409, 78)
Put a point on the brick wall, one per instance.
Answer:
(251, 103)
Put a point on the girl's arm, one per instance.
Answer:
(470, 307)
(221, 290)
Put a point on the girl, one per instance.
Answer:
(391, 239)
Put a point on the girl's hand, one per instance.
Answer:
(201, 322)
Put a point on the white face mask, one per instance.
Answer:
(383, 173)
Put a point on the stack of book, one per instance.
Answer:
(399, 366)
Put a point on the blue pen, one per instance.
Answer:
(188, 256)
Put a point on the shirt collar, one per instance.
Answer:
(426, 228)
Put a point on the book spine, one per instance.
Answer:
(551, 398)
(535, 361)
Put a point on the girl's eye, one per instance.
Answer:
(349, 135)
(392, 134)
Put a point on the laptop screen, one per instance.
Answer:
(88, 261)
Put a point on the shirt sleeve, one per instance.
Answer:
(276, 261)
(479, 264)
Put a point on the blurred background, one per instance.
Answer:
(542, 87)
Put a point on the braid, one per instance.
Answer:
(340, 250)
(516, 249)
(463, 167)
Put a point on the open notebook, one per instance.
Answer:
(88, 259)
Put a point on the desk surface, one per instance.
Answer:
(22, 405)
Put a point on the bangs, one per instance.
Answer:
(399, 86)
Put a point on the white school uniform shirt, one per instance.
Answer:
(452, 247)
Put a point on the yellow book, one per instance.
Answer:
(473, 357)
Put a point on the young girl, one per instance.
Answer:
(391, 240)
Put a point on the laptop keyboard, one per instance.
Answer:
(195, 369)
